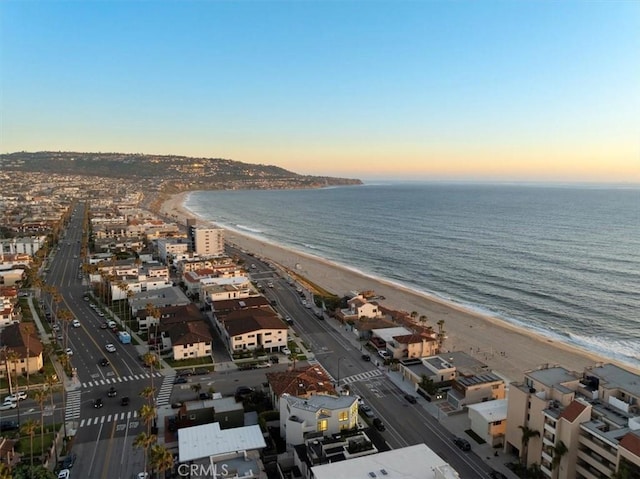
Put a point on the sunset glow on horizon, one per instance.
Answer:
(522, 91)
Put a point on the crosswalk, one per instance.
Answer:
(120, 379)
(72, 411)
(108, 418)
(374, 373)
(164, 394)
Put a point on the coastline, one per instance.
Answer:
(507, 349)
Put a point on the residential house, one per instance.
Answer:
(9, 308)
(466, 390)
(489, 421)
(21, 339)
(302, 382)
(254, 329)
(316, 415)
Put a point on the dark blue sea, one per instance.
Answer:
(561, 260)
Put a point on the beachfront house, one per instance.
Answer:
(466, 390)
(489, 421)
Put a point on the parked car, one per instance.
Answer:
(286, 351)
(205, 396)
(462, 443)
(64, 474)
(410, 398)
(69, 352)
(497, 475)
(179, 380)
(378, 424)
(176, 405)
(9, 426)
(384, 354)
(104, 326)
(366, 357)
(242, 392)
(69, 461)
(18, 396)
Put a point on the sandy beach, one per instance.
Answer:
(506, 349)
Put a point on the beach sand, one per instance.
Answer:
(507, 350)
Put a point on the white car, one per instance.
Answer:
(64, 474)
(286, 351)
(8, 405)
(69, 352)
(75, 323)
(110, 348)
(19, 396)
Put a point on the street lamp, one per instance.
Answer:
(338, 381)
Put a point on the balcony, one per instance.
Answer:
(596, 463)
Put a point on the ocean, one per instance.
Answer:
(563, 261)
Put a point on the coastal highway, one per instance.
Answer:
(406, 424)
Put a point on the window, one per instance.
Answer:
(343, 416)
(323, 425)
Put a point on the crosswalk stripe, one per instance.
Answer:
(109, 418)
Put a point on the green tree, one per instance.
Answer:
(40, 397)
(196, 387)
(29, 427)
(527, 434)
(160, 459)
(144, 441)
(559, 450)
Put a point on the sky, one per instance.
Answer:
(424, 90)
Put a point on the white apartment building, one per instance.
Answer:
(580, 425)
(208, 241)
(317, 415)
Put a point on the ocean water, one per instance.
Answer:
(561, 260)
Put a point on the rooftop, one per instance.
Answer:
(208, 440)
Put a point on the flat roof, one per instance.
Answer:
(412, 462)
(387, 334)
(553, 376)
(614, 377)
(491, 411)
(208, 440)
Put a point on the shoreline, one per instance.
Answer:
(506, 348)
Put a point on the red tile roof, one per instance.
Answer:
(312, 379)
(631, 442)
(572, 411)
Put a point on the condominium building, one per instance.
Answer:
(206, 241)
(576, 425)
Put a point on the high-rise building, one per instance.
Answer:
(206, 241)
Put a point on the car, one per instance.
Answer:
(8, 405)
(286, 351)
(243, 391)
(180, 380)
(263, 365)
(378, 424)
(104, 326)
(304, 303)
(69, 352)
(497, 475)
(176, 405)
(9, 426)
(384, 354)
(185, 373)
(64, 474)
(274, 359)
(111, 324)
(110, 348)
(104, 362)
(98, 403)
(59, 336)
(142, 475)
(86, 298)
(288, 320)
(410, 398)
(112, 392)
(75, 323)
(92, 306)
(366, 357)
(101, 314)
(17, 396)
(124, 401)
(270, 284)
(205, 396)
(462, 443)
(56, 327)
(69, 461)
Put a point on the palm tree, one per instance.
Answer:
(41, 396)
(423, 319)
(413, 315)
(29, 427)
(148, 414)
(11, 356)
(197, 387)
(52, 381)
(150, 360)
(144, 441)
(148, 393)
(65, 317)
(160, 459)
(527, 434)
(441, 334)
(559, 450)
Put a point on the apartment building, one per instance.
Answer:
(206, 241)
(576, 425)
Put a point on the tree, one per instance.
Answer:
(41, 396)
(527, 434)
(29, 427)
(148, 393)
(5, 471)
(160, 460)
(196, 387)
(413, 315)
(144, 441)
(559, 450)
(148, 415)
(442, 334)
(423, 319)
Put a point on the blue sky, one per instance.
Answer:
(373, 89)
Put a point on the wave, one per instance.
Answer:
(247, 228)
(627, 351)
